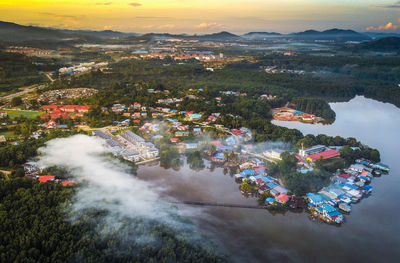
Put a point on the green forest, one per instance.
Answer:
(34, 227)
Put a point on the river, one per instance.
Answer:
(371, 233)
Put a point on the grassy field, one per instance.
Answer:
(7, 134)
(27, 114)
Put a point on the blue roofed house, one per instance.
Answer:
(315, 199)
(270, 200)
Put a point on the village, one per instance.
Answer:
(134, 139)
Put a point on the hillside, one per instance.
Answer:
(331, 34)
(15, 32)
(387, 44)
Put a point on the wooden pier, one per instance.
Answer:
(198, 203)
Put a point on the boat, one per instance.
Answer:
(345, 207)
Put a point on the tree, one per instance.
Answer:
(16, 101)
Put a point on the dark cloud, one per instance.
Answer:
(135, 4)
(105, 3)
(58, 16)
(394, 5)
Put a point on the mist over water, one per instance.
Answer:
(106, 185)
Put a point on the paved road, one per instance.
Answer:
(26, 91)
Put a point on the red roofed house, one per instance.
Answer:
(344, 175)
(68, 183)
(324, 155)
(216, 143)
(50, 107)
(46, 178)
(282, 198)
(45, 116)
(51, 124)
(236, 132)
(68, 108)
(83, 108)
(175, 140)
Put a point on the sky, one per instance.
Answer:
(205, 16)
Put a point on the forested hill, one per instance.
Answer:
(387, 44)
(34, 227)
(318, 107)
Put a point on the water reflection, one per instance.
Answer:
(370, 233)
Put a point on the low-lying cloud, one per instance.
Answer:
(107, 185)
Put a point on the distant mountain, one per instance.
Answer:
(332, 34)
(260, 35)
(378, 35)
(217, 36)
(98, 34)
(387, 44)
(14, 32)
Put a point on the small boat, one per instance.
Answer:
(377, 172)
(345, 207)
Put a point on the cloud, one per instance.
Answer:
(394, 5)
(149, 27)
(105, 3)
(167, 26)
(108, 185)
(388, 27)
(135, 4)
(208, 26)
(58, 16)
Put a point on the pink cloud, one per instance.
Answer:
(388, 27)
(167, 26)
(207, 26)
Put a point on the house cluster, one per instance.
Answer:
(128, 145)
(200, 56)
(29, 51)
(267, 97)
(233, 93)
(347, 187)
(3, 114)
(276, 70)
(254, 171)
(82, 67)
(52, 96)
(32, 171)
(289, 114)
(55, 111)
(170, 101)
(316, 152)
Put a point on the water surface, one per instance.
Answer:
(371, 233)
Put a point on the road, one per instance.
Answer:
(25, 91)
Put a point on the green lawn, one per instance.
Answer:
(27, 114)
(7, 134)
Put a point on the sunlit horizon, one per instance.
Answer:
(205, 16)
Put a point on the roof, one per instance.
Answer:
(315, 198)
(270, 200)
(272, 185)
(247, 171)
(283, 198)
(345, 175)
(219, 156)
(328, 208)
(325, 155)
(68, 183)
(216, 143)
(45, 178)
(334, 213)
